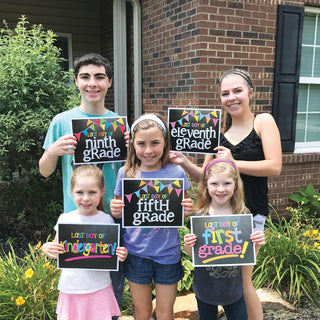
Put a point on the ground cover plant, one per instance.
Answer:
(289, 262)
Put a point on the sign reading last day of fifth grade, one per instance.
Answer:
(194, 130)
(222, 240)
(99, 140)
(152, 203)
(88, 246)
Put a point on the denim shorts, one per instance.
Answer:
(258, 222)
(145, 271)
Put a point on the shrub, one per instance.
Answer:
(28, 286)
(308, 204)
(33, 89)
(289, 262)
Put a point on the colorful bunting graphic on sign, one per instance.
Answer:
(155, 185)
(93, 126)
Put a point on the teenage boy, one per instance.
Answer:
(93, 77)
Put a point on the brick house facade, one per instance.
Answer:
(187, 44)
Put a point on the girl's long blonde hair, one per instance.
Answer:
(229, 168)
(92, 172)
(133, 163)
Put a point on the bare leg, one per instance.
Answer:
(253, 303)
(142, 300)
(165, 298)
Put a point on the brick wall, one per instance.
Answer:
(188, 44)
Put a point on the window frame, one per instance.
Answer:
(309, 147)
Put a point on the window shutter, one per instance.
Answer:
(286, 72)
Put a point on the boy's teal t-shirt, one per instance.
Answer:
(61, 126)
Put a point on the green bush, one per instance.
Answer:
(289, 262)
(33, 89)
(308, 204)
(28, 286)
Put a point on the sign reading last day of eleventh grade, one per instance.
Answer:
(194, 130)
(99, 140)
(152, 203)
(88, 246)
(222, 240)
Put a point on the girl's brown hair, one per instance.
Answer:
(226, 118)
(236, 201)
(133, 163)
(92, 172)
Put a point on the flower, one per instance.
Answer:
(47, 265)
(20, 301)
(29, 273)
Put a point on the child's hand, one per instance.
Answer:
(188, 206)
(127, 138)
(121, 253)
(64, 145)
(52, 249)
(258, 238)
(178, 158)
(190, 240)
(116, 208)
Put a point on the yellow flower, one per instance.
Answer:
(315, 232)
(20, 301)
(47, 265)
(38, 246)
(316, 245)
(307, 234)
(29, 273)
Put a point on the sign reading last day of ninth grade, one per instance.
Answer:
(222, 240)
(88, 246)
(99, 140)
(152, 203)
(194, 130)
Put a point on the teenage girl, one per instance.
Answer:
(220, 193)
(85, 294)
(154, 253)
(253, 143)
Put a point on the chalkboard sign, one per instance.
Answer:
(194, 130)
(99, 140)
(152, 203)
(88, 246)
(222, 240)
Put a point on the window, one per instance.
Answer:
(307, 137)
(64, 42)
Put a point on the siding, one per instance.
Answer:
(81, 18)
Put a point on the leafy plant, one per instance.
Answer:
(289, 261)
(34, 88)
(28, 286)
(308, 201)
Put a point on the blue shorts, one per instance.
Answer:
(145, 271)
(258, 222)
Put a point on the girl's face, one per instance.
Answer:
(149, 145)
(235, 95)
(87, 195)
(220, 188)
(93, 83)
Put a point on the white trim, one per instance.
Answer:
(309, 80)
(307, 147)
(120, 57)
(311, 9)
(137, 57)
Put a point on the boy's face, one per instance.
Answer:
(93, 83)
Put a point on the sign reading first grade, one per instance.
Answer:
(99, 140)
(194, 130)
(222, 240)
(152, 203)
(88, 246)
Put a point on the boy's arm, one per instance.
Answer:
(63, 146)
